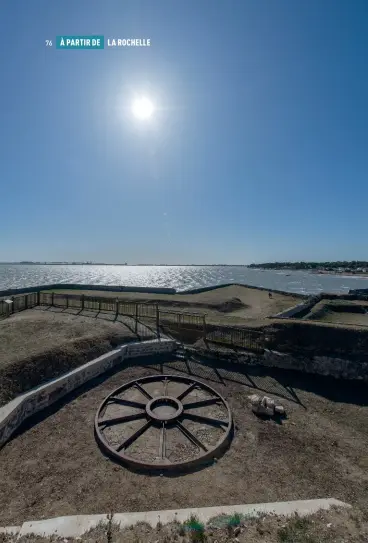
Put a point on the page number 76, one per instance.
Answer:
(48, 43)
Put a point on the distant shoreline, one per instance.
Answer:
(114, 264)
(363, 275)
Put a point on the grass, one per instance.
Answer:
(227, 521)
(195, 529)
(234, 521)
(297, 530)
(345, 312)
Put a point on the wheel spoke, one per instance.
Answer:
(206, 420)
(163, 441)
(166, 382)
(128, 403)
(201, 403)
(117, 420)
(172, 411)
(144, 391)
(188, 434)
(186, 391)
(129, 440)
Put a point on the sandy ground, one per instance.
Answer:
(55, 467)
(254, 303)
(38, 344)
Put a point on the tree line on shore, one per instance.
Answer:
(328, 266)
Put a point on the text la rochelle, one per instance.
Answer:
(129, 42)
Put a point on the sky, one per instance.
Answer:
(257, 148)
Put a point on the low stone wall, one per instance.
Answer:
(148, 290)
(299, 310)
(18, 410)
(359, 294)
(310, 338)
(318, 365)
(76, 286)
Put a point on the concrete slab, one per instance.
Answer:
(71, 526)
(10, 530)
(74, 526)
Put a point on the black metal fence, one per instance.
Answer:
(143, 312)
(17, 303)
(244, 338)
(174, 323)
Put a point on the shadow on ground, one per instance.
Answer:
(143, 331)
(271, 381)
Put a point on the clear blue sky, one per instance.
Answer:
(257, 151)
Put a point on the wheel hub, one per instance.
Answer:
(164, 409)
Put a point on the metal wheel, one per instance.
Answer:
(163, 422)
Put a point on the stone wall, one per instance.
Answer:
(320, 365)
(340, 368)
(299, 310)
(122, 288)
(15, 412)
(75, 286)
(309, 339)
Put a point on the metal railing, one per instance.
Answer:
(15, 304)
(244, 338)
(149, 314)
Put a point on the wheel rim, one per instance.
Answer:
(163, 422)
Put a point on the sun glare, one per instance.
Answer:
(142, 108)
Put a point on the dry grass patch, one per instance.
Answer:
(37, 345)
(340, 312)
(237, 301)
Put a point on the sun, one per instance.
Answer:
(142, 109)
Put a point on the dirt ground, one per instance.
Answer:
(54, 467)
(38, 344)
(235, 301)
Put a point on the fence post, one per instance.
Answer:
(26, 301)
(157, 321)
(204, 327)
(67, 301)
(82, 301)
(38, 297)
(116, 308)
(136, 318)
(12, 304)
